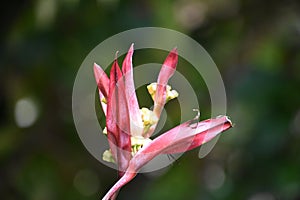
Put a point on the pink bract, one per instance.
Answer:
(124, 121)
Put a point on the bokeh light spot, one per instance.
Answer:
(214, 177)
(45, 12)
(26, 112)
(190, 15)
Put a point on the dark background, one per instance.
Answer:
(256, 46)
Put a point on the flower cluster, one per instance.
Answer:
(129, 127)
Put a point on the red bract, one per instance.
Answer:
(129, 127)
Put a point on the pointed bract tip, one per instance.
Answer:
(116, 55)
(131, 46)
(226, 119)
(131, 49)
(229, 120)
(98, 71)
(174, 53)
(96, 65)
(175, 50)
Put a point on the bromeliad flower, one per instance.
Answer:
(129, 128)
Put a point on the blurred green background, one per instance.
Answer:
(255, 44)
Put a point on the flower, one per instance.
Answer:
(128, 128)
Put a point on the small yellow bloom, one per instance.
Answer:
(105, 131)
(152, 89)
(137, 143)
(104, 100)
(108, 157)
(171, 94)
(148, 118)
